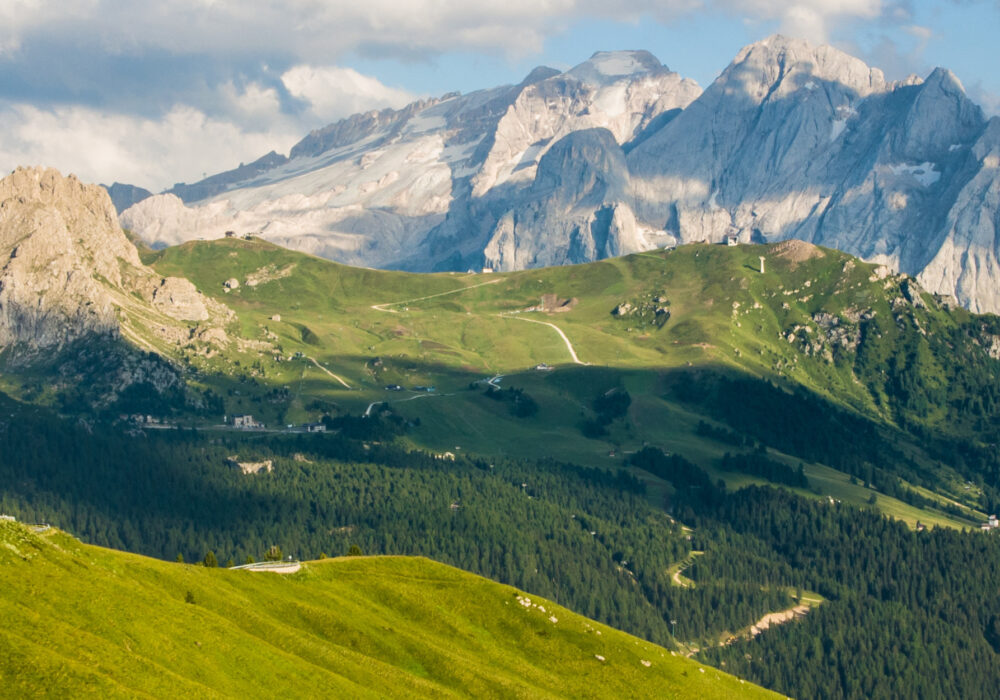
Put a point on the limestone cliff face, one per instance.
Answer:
(574, 212)
(798, 141)
(58, 238)
(68, 274)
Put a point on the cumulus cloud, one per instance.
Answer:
(321, 32)
(186, 142)
(331, 91)
(813, 20)
(101, 147)
(254, 105)
(158, 92)
(317, 31)
(20, 16)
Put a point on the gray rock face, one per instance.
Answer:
(573, 212)
(810, 143)
(123, 196)
(620, 154)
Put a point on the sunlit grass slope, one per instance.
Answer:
(79, 621)
(374, 328)
(452, 327)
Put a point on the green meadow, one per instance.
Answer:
(80, 621)
(314, 337)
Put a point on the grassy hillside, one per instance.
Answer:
(321, 338)
(84, 620)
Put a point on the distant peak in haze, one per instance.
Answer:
(609, 66)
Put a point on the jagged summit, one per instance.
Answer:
(538, 74)
(778, 66)
(945, 79)
(68, 273)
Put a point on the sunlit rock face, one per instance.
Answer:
(76, 298)
(811, 143)
(620, 154)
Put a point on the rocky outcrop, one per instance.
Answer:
(178, 298)
(60, 245)
(69, 275)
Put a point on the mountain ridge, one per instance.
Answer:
(791, 141)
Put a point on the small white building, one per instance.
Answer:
(731, 240)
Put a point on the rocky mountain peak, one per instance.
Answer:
(792, 140)
(941, 117)
(778, 66)
(538, 74)
(67, 270)
(944, 80)
(60, 216)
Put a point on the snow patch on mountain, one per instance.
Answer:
(609, 66)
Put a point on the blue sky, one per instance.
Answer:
(154, 94)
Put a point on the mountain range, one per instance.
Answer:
(620, 155)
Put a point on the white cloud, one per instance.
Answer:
(102, 147)
(186, 142)
(989, 101)
(255, 106)
(317, 31)
(804, 19)
(924, 34)
(19, 16)
(333, 92)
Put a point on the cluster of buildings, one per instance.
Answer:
(991, 524)
(142, 419)
(248, 422)
(244, 236)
